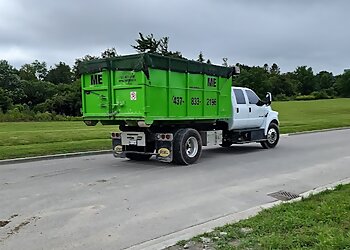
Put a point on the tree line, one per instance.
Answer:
(44, 93)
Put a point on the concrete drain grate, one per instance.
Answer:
(283, 195)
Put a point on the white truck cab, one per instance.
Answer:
(252, 119)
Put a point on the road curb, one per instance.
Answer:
(187, 233)
(317, 131)
(55, 156)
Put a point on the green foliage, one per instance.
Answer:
(343, 84)
(305, 78)
(5, 100)
(8, 78)
(224, 62)
(149, 44)
(305, 97)
(108, 53)
(200, 57)
(34, 71)
(146, 44)
(60, 73)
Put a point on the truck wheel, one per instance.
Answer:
(187, 146)
(273, 136)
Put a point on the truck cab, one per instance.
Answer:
(252, 119)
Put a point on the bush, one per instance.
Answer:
(281, 97)
(20, 113)
(305, 98)
(321, 95)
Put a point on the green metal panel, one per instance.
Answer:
(171, 90)
(96, 94)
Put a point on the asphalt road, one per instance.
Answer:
(99, 202)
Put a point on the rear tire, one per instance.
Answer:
(273, 136)
(187, 146)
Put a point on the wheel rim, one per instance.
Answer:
(191, 147)
(272, 136)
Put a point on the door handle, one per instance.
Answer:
(237, 109)
(250, 109)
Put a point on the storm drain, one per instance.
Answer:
(283, 195)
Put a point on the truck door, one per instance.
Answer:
(256, 110)
(240, 110)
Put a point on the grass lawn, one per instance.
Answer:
(20, 139)
(298, 116)
(319, 222)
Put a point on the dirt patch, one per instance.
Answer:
(4, 223)
(192, 245)
(17, 228)
(13, 216)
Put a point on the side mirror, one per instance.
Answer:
(268, 98)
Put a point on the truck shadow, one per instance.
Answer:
(233, 150)
(207, 153)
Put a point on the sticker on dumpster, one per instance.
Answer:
(133, 96)
(164, 152)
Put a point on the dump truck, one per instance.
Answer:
(170, 108)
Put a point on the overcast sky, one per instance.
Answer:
(290, 33)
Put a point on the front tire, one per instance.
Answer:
(272, 137)
(187, 146)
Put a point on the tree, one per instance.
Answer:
(8, 78)
(208, 61)
(324, 80)
(275, 69)
(305, 77)
(33, 71)
(200, 57)
(108, 53)
(60, 73)
(67, 101)
(146, 44)
(225, 64)
(5, 101)
(37, 92)
(152, 45)
(266, 67)
(343, 84)
(75, 69)
(255, 78)
(163, 47)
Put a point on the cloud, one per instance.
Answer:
(254, 32)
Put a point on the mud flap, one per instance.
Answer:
(164, 150)
(118, 149)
